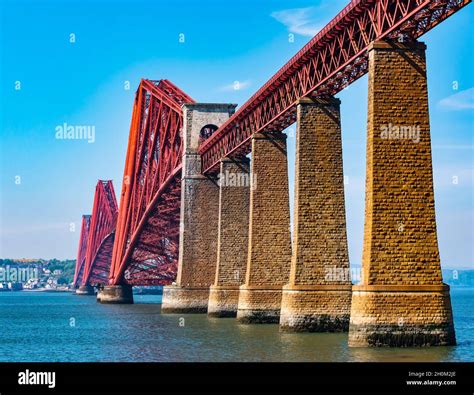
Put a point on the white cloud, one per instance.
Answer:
(299, 20)
(463, 100)
(308, 21)
(235, 86)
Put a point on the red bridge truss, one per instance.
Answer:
(146, 244)
(101, 235)
(333, 59)
(81, 253)
(145, 249)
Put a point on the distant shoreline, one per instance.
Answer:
(44, 290)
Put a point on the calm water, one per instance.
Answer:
(38, 327)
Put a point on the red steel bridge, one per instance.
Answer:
(97, 238)
(81, 253)
(138, 244)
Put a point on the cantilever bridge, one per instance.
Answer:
(228, 250)
(97, 238)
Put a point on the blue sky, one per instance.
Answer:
(47, 80)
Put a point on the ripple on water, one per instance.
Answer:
(65, 327)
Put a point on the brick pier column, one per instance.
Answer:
(199, 216)
(401, 300)
(318, 296)
(269, 255)
(232, 244)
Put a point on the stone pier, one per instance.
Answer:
(85, 290)
(401, 300)
(199, 214)
(269, 251)
(232, 244)
(318, 296)
(115, 294)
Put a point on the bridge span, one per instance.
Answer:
(212, 224)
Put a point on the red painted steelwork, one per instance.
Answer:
(333, 59)
(145, 251)
(81, 253)
(101, 235)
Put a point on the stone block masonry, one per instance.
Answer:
(199, 216)
(318, 296)
(401, 300)
(269, 250)
(232, 244)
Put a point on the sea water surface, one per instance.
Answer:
(51, 327)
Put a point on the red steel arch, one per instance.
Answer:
(145, 251)
(101, 235)
(81, 253)
(330, 61)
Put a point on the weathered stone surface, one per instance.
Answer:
(232, 244)
(321, 308)
(115, 294)
(199, 217)
(259, 304)
(198, 115)
(185, 300)
(413, 316)
(198, 234)
(223, 301)
(318, 297)
(269, 253)
(400, 242)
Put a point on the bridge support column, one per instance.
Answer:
(85, 290)
(318, 296)
(197, 247)
(115, 294)
(232, 244)
(199, 215)
(269, 255)
(401, 300)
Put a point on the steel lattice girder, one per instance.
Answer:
(332, 60)
(81, 253)
(102, 229)
(100, 268)
(149, 202)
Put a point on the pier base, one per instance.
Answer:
(115, 294)
(401, 316)
(259, 304)
(181, 300)
(317, 308)
(223, 301)
(85, 290)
